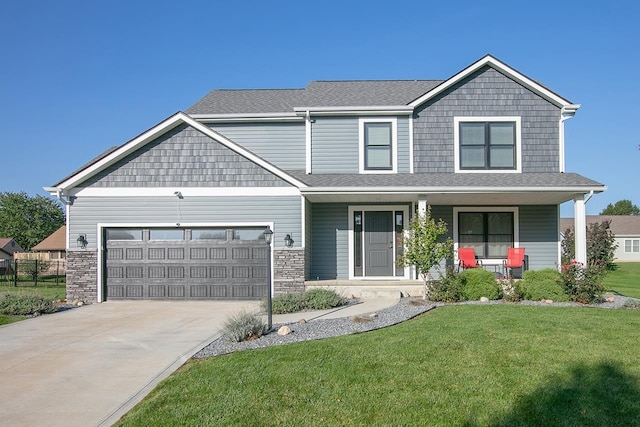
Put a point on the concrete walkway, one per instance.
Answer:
(88, 366)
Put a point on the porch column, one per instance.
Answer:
(580, 228)
(422, 205)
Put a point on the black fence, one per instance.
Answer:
(32, 272)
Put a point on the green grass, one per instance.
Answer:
(5, 320)
(625, 279)
(48, 291)
(498, 365)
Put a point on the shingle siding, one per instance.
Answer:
(486, 93)
(184, 157)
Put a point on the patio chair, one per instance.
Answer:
(467, 259)
(515, 259)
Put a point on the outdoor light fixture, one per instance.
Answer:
(268, 234)
(288, 241)
(178, 194)
(82, 241)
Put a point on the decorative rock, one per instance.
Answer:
(548, 301)
(284, 330)
(351, 296)
(80, 304)
(610, 299)
(373, 315)
(302, 321)
(484, 299)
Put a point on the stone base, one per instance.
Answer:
(82, 276)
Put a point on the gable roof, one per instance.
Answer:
(112, 156)
(354, 94)
(56, 241)
(8, 245)
(621, 225)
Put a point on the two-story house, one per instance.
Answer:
(336, 170)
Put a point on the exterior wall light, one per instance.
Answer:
(288, 241)
(81, 241)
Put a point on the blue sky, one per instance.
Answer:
(79, 77)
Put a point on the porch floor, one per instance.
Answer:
(370, 288)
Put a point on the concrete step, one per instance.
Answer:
(370, 289)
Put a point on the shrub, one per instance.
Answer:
(448, 288)
(243, 326)
(510, 289)
(314, 299)
(537, 285)
(25, 305)
(583, 284)
(322, 299)
(480, 283)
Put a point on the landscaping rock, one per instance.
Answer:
(284, 330)
(610, 299)
(302, 321)
(484, 299)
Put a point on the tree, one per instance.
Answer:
(601, 245)
(621, 207)
(425, 245)
(28, 219)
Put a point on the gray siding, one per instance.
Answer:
(539, 235)
(486, 93)
(284, 211)
(282, 144)
(184, 157)
(335, 145)
(330, 245)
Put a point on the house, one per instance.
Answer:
(8, 247)
(54, 246)
(625, 228)
(336, 170)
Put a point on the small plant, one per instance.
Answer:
(480, 283)
(511, 290)
(449, 288)
(243, 326)
(25, 305)
(543, 284)
(287, 303)
(322, 299)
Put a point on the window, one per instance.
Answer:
(124, 234)
(490, 234)
(487, 144)
(209, 234)
(378, 150)
(632, 245)
(166, 234)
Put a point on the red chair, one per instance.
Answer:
(467, 259)
(515, 259)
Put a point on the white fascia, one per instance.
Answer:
(186, 191)
(160, 129)
(445, 190)
(401, 110)
(263, 117)
(501, 67)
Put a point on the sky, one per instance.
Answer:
(78, 77)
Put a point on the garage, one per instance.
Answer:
(213, 263)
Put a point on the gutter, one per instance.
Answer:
(68, 201)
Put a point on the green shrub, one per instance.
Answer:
(448, 288)
(243, 326)
(582, 283)
(313, 299)
(16, 304)
(322, 299)
(511, 290)
(538, 275)
(480, 283)
(545, 289)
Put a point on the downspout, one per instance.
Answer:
(307, 120)
(566, 112)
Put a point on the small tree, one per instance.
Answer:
(425, 245)
(601, 245)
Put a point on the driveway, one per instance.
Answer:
(90, 365)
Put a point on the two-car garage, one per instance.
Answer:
(198, 263)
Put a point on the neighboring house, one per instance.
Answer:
(8, 247)
(625, 228)
(54, 246)
(338, 167)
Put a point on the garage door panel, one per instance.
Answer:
(207, 268)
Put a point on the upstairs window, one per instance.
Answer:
(378, 145)
(487, 144)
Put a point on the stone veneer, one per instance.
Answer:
(82, 280)
(288, 270)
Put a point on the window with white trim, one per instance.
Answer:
(378, 145)
(632, 245)
(490, 231)
(487, 144)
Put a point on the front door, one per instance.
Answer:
(378, 243)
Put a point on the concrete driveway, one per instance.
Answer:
(90, 365)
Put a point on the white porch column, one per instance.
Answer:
(580, 228)
(422, 205)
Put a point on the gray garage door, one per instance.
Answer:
(192, 263)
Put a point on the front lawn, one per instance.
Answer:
(625, 279)
(498, 365)
(50, 292)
